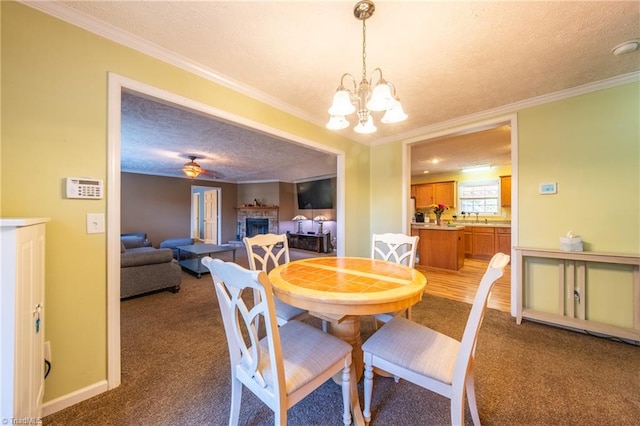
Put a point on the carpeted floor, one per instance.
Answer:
(175, 371)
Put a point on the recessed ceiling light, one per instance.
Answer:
(435, 161)
(425, 172)
(626, 47)
(481, 168)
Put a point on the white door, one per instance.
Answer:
(195, 216)
(211, 217)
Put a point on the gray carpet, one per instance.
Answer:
(175, 371)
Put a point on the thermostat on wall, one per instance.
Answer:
(548, 188)
(84, 188)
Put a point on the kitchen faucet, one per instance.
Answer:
(477, 213)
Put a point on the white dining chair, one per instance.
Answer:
(397, 248)
(431, 359)
(265, 252)
(289, 362)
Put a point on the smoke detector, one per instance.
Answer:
(626, 47)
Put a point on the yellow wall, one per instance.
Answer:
(54, 109)
(54, 125)
(590, 146)
(386, 189)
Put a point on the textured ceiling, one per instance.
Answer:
(158, 139)
(447, 59)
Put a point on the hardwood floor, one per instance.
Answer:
(463, 284)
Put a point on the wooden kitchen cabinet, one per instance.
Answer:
(468, 241)
(505, 191)
(424, 195)
(444, 193)
(484, 241)
(434, 193)
(441, 248)
(503, 240)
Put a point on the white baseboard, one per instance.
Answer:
(73, 398)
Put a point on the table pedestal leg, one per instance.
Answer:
(349, 330)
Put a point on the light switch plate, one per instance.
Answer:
(95, 223)
(548, 188)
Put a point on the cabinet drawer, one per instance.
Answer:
(483, 229)
(503, 231)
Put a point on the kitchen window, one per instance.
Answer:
(479, 196)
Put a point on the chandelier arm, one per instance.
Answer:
(353, 81)
(380, 80)
(390, 84)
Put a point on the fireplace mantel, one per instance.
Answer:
(257, 208)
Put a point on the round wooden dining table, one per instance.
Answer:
(342, 289)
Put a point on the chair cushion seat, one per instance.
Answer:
(416, 348)
(307, 353)
(287, 312)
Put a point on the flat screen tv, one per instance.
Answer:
(315, 194)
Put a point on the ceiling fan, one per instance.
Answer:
(192, 169)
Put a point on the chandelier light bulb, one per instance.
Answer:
(395, 114)
(337, 122)
(365, 127)
(381, 98)
(342, 104)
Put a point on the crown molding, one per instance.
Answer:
(132, 41)
(632, 77)
(119, 36)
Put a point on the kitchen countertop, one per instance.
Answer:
(461, 225)
(435, 227)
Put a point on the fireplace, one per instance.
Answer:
(257, 226)
(248, 216)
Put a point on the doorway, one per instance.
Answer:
(507, 121)
(205, 214)
(116, 85)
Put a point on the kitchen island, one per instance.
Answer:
(440, 246)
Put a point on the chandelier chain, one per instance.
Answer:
(364, 49)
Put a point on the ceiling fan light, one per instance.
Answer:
(365, 127)
(395, 114)
(342, 104)
(337, 122)
(192, 169)
(381, 98)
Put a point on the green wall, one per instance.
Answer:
(54, 121)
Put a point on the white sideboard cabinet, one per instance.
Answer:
(22, 247)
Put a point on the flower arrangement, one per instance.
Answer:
(438, 209)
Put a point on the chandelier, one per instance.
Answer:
(192, 169)
(362, 98)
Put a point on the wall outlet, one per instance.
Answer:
(47, 351)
